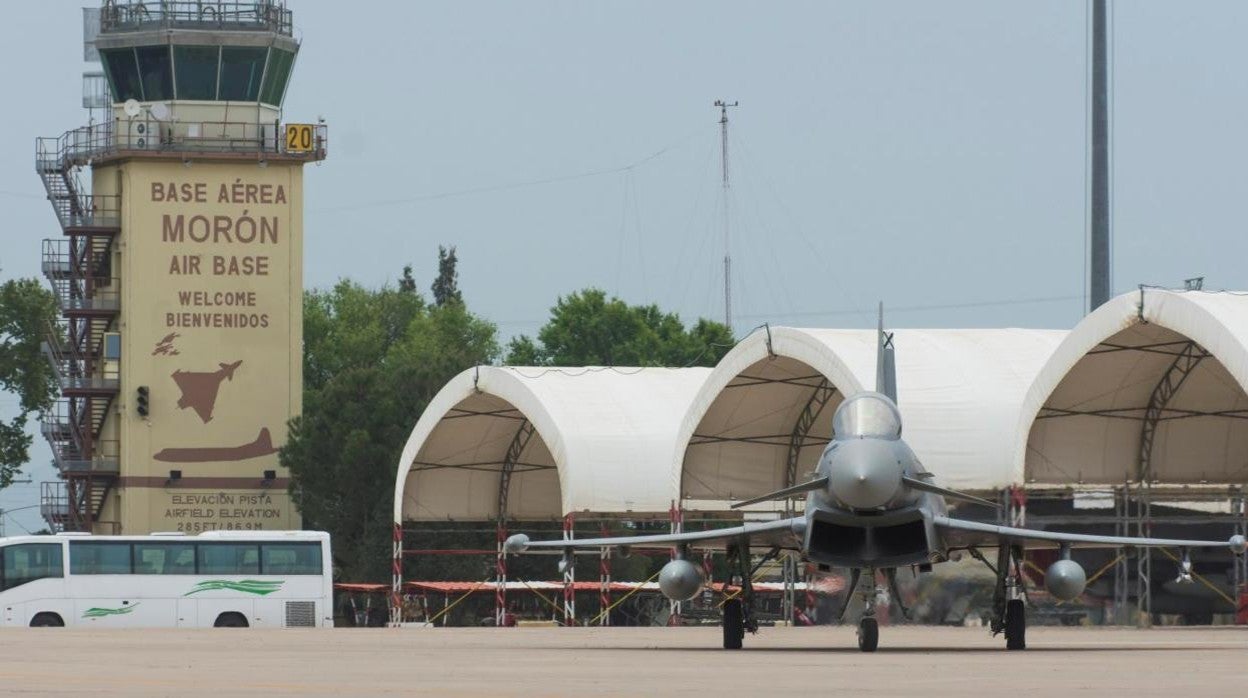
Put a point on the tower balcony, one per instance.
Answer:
(81, 374)
(72, 451)
(78, 276)
(138, 15)
(181, 137)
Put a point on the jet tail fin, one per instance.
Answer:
(885, 363)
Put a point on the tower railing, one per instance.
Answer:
(76, 370)
(257, 15)
(56, 160)
(77, 290)
(146, 135)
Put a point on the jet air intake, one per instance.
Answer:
(680, 580)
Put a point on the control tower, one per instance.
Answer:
(178, 272)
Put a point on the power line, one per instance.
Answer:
(922, 308)
(858, 311)
(21, 194)
(515, 185)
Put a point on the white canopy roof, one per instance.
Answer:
(1083, 420)
(958, 390)
(983, 409)
(602, 443)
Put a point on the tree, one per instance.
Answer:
(407, 283)
(373, 359)
(446, 286)
(588, 329)
(27, 309)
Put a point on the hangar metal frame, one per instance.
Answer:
(1187, 320)
(574, 416)
(820, 361)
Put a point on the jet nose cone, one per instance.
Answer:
(864, 475)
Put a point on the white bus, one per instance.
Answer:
(231, 579)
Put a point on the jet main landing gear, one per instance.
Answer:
(739, 611)
(1009, 611)
(734, 624)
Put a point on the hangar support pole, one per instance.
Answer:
(1186, 361)
(819, 398)
(1122, 568)
(1239, 508)
(569, 574)
(514, 450)
(604, 578)
(1144, 561)
(396, 578)
(677, 521)
(500, 575)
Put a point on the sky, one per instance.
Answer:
(932, 156)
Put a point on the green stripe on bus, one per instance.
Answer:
(101, 612)
(258, 587)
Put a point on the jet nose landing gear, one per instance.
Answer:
(868, 634)
(868, 627)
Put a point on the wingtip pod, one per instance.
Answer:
(1238, 544)
(516, 543)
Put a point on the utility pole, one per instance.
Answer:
(1098, 268)
(723, 133)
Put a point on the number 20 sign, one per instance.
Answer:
(299, 138)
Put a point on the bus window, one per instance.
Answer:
(30, 561)
(291, 558)
(98, 557)
(229, 558)
(164, 558)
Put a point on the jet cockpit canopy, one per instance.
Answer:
(869, 415)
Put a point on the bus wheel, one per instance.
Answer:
(230, 620)
(46, 620)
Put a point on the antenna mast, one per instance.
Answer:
(723, 133)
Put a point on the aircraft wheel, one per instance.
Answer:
(1015, 625)
(734, 624)
(868, 634)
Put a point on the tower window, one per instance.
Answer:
(156, 72)
(241, 70)
(197, 71)
(276, 75)
(123, 73)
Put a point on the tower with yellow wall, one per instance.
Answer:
(179, 275)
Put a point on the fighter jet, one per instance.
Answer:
(872, 507)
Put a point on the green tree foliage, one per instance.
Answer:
(26, 311)
(446, 286)
(407, 282)
(588, 329)
(372, 361)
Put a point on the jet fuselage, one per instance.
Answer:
(867, 516)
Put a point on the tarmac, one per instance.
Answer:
(917, 662)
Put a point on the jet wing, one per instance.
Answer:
(785, 534)
(966, 534)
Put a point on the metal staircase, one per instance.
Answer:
(78, 265)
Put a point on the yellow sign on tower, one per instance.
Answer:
(300, 138)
